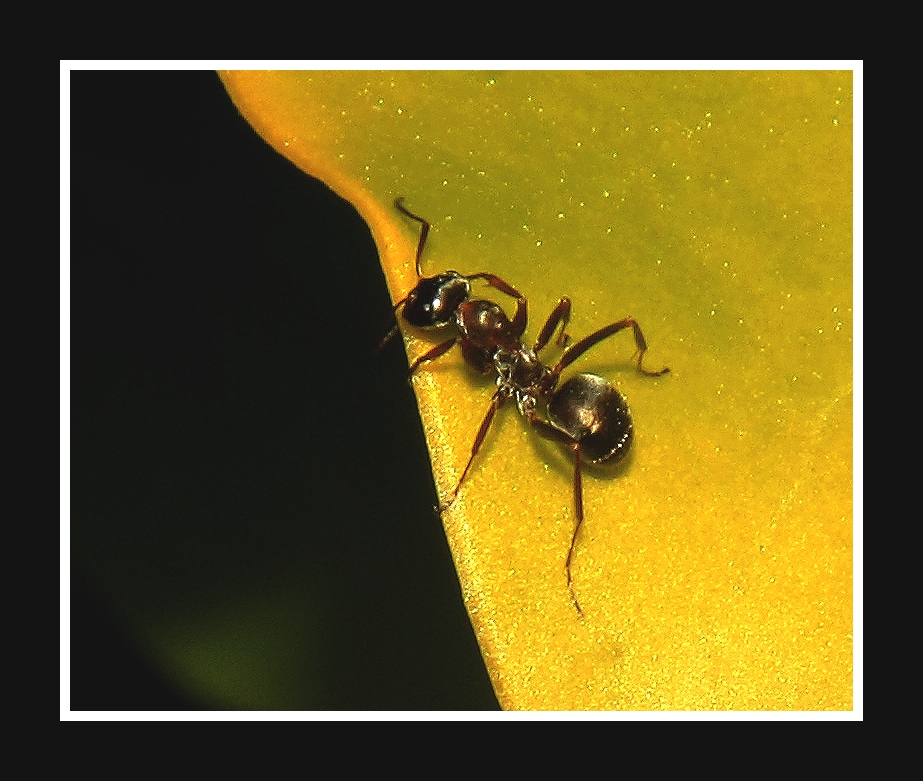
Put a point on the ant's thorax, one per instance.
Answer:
(522, 375)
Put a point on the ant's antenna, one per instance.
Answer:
(424, 232)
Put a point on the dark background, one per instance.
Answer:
(234, 436)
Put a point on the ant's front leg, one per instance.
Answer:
(560, 314)
(576, 350)
(393, 326)
(435, 352)
(521, 316)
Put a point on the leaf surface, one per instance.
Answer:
(715, 565)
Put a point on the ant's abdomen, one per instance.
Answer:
(594, 413)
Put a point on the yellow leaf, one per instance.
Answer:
(714, 566)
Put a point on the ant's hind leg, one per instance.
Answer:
(578, 510)
(547, 431)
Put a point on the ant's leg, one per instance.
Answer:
(641, 343)
(435, 352)
(547, 431)
(578, 509)
(495, 403)
(424, 231)
(439, 349)
(578, 349)
(521, 316)
(498, 282)
(393, 325)
(560, 314)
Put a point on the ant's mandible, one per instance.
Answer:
(586, 414)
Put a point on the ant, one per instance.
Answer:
(586, 414)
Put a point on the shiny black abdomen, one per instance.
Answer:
(593, 412)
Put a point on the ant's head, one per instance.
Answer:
(434, 300)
